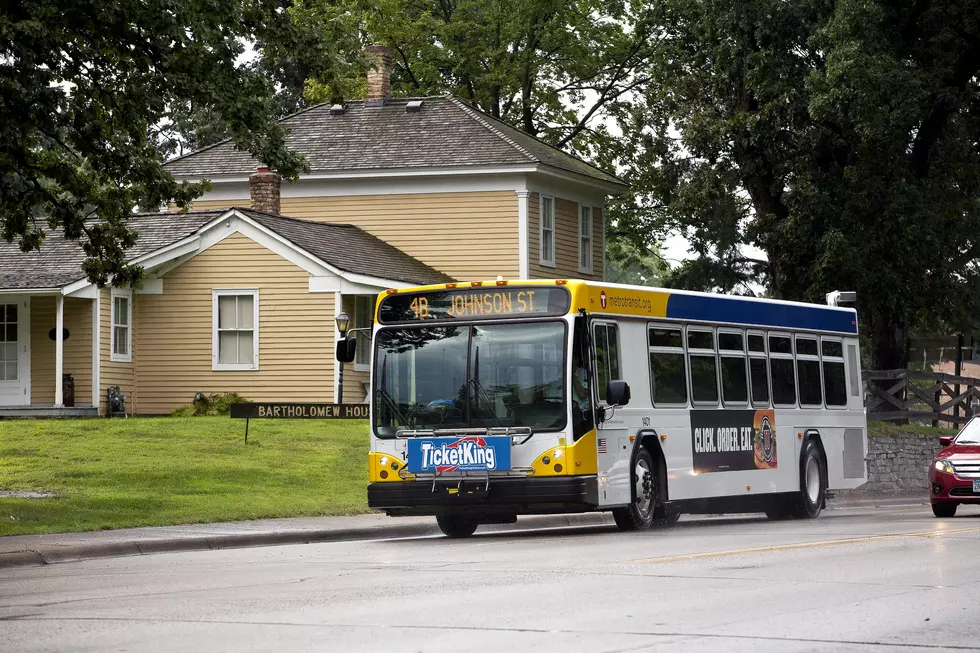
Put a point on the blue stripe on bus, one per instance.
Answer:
(740, 311)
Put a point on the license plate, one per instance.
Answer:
(463, 454)
(976, 486)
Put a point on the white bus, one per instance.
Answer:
(496, 399)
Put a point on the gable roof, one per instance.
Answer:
(348, 248)
(444, 133)
(59, 261)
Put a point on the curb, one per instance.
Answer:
(59, 553)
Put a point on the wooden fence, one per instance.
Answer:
(903, 395)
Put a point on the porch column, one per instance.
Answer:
(59, 349)
(524, 271)
(96, 351)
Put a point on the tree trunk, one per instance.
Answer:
(888, 343)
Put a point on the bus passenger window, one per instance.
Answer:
(834, 384)
(668, 373)
(734, 389)
(606, 356)
(781, 369)
(704, 367)
(734, 376)
(808, 372)
(759, 372)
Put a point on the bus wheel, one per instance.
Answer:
(639, 514)
(812, 485)
(666, 515)
(456, 526)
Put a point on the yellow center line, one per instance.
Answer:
(799, 545)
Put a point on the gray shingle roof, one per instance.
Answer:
(350, 248)
(446, 133)
(59, 261)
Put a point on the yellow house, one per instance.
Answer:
(234, 300)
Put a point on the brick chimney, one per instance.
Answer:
(378, 76)
(263, 189)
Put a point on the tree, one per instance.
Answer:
(552, 68)
(91, 94)
(628, 262)
(839, 138)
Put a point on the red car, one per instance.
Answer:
(955, 473)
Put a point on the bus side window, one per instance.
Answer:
(607, 356)
(583, 417)
(758, 370)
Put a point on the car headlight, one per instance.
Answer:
(944, 466)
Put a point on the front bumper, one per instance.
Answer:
(510, 496)
(948, 488)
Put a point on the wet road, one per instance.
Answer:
(869, 580)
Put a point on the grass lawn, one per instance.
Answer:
(158, 471)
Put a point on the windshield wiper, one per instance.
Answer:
(388, 400)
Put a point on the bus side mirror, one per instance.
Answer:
(945, 441)
(617, 393)
(346, 348)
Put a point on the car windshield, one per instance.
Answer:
(476, 376)
(970, 433)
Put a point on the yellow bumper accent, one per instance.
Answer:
(575, 459)
(375, 467)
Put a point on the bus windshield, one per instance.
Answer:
(470, 376)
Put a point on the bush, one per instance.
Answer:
(210, 405)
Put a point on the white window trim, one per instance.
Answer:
(236, 367)
(554, 240)
(113, 356)
(363, 367)
(581, 210)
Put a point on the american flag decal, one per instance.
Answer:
(601, 448)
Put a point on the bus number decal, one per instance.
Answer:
(733, 440)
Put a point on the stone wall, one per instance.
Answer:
(899, 461)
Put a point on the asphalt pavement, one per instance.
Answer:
(860, 579)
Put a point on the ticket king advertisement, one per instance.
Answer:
(464, 454)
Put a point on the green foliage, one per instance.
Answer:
(552, 68)
(91, 96)
(211, 405)
(837, 137)
(178, 471)
(628, 262)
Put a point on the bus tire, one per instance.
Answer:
(813, 485)
(639, 514)
(666, 515)
(455, 526)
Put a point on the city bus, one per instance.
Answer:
(501, 398)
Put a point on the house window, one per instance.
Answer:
(235, 330)
(547, 230)
(363, 320)
(122, 326)
(585, 239)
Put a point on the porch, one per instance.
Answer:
(46, 335)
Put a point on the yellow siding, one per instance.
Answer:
(566, 241)
(111, 373)
(296, 359)
(77, 352)
(468, 236)
(465, 235)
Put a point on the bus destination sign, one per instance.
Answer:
(493, 302)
